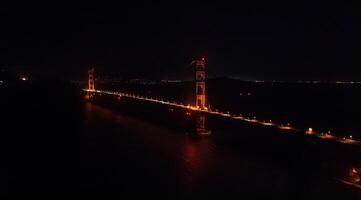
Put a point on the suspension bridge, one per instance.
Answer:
(200, 107)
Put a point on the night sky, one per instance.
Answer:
(157, 40)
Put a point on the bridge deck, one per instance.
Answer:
(326, 136)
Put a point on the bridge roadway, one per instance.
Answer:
(291, 129)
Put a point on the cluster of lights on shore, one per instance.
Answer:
(287, 126)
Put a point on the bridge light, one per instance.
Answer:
(354, 170)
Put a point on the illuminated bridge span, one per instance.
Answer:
(200, 106)
(235, 117)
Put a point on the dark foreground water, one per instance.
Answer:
(56, 147)
(137, 158)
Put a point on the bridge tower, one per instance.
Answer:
(91, 85)
(200, 77)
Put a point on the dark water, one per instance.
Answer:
(163, 162)
(56, 146)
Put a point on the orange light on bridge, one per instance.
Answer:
(287, 126)
(309, 131)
